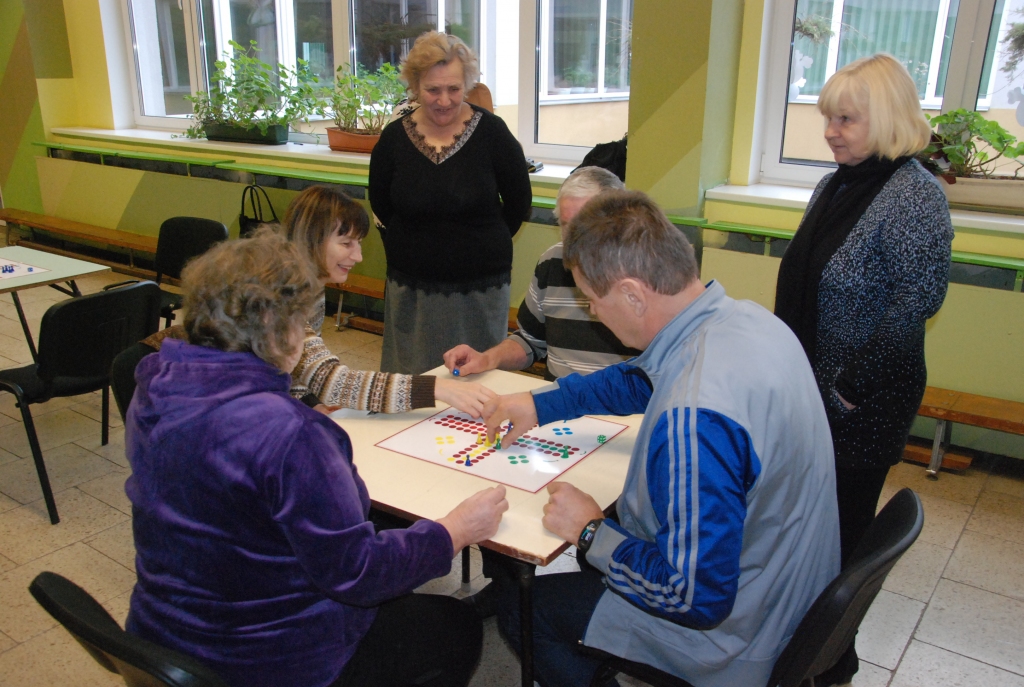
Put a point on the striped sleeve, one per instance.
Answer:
(532, 331)
(700, 467)
(319, 372)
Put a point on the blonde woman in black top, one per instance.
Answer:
(450, 187)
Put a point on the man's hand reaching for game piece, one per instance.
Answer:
(464, 360)
(568, 511)
(518, 409)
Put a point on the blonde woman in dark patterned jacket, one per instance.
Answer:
(865, 270)
(329, 227)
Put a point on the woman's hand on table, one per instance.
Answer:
(518, 409)
(568, 511)
(466, 396)
(477, 518)
(325, 409)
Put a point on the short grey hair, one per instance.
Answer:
(250, 295)
(624, 234)
(587, 182)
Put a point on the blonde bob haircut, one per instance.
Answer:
(881, 88)
(433, 48)
(250, 295)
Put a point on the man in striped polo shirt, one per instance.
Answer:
(555, 322)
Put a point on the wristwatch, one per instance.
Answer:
(587, 535)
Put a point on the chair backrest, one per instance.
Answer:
(139, 662)
(832, 621)
(79, 337)
(183, 238)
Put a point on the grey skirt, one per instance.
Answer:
(420, 326)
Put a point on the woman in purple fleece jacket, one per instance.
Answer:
(253, 551)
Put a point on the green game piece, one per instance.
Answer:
(525, 461)
(601, 439)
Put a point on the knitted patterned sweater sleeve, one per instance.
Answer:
(319, 372)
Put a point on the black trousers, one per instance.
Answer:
(857, 492)
(418, 639)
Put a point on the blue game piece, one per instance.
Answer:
(455, 372)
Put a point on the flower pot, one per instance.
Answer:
(276, 134)
(350, 142)
(986, 194)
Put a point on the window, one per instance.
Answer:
(579, 57)
(937, 40)
(384, 30)
(558, 70)
(162, 46)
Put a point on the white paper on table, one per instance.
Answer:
(457, 441)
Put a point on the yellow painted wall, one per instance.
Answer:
(682, 99)
(973, 344)
(583, 124)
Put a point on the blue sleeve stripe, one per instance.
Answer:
(693, 501)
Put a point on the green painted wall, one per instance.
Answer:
(20, 118)
(682, 98)
(973, 344)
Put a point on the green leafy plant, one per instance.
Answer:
(815, 28)
(965, 144)
(248, 93)
(577, 77)
(1014, 45)
(362, 102)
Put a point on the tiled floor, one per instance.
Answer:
(951, 613)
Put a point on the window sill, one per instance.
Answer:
(796, 198)
(285, 155)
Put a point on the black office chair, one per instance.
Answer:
(139, 662)
(180, 240)
(830, 624)
(78, 339)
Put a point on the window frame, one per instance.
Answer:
(196, 67)
(963, 80)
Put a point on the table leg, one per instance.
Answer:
(24, 326)
(465, 568)
(525, 573)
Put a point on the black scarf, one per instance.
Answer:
(823, 230)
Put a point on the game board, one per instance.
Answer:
(457, 441)
(10, 269)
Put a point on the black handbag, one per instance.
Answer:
(247, 225)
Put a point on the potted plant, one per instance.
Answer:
(977, 160)
(251, 101)
(360, 105)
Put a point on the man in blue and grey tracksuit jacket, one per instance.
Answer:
(728, 526)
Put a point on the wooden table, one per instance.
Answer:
(60, 269)
(414, 489)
